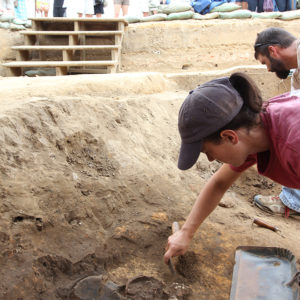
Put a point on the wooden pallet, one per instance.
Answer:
(70, 36)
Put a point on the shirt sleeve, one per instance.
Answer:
(250, 161)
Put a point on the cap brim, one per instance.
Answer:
(189, 154)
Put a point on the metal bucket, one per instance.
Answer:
(264, 273)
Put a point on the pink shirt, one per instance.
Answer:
(281, 118)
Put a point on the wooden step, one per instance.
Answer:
(61, 66)
(66, 33)
(78, 23)
(84, 20)
(49, 64)
(66, 47)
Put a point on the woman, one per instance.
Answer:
(121, 4)
(225, 119)
(85, 8)
(99, 8)
(42, 7)
(20, 9)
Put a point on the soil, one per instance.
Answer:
(89, 184)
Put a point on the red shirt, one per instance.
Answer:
(281, 119)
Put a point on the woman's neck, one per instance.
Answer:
(256, 139)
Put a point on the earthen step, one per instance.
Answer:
(88, 33)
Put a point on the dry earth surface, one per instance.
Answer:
(89, 183)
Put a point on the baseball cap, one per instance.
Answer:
(206, 109)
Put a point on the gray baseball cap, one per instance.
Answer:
(206, 109)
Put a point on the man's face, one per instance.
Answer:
(275, 65)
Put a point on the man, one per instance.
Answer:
(280, 52)
(59, 10)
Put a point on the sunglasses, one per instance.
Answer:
(264, 44)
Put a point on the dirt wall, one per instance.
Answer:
(180, 46)
(194, 45)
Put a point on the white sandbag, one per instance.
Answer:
(266, 15)
(153, 18)
(185, 15)
(290, 15)
(132, 19)
(4, 25)
(226, 7)
(15, 27)
(208, 16)
(174, 8)
(238, 14)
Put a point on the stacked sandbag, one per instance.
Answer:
(173, 8)
(208, 16)
(169, 12)
(227, 10)
(266, 15)
(132, 19)
(185, 15)
(153, 18)
(290, 15)
(226, 7)
(236, 14)
(14, 24)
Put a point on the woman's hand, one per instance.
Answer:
(207, 201)
(178, 244)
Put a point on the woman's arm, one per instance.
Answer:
(207, 201)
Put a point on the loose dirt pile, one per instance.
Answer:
(89, 187)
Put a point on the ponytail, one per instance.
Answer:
(248, 90)
(248, 115)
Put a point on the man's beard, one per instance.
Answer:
(278, 67)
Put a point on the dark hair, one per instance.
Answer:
(272, 36)
(248, 115)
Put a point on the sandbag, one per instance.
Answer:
(226, 7)
(4, 25)
(15, 27)
(40, 72)
(18, 21)
(156, 17)
(173, 8)
(180, 16)
(28, 24)
(290, 15)
(132, 19)
(238, 14)
(6, 18)
(266, 15)
(208, 16)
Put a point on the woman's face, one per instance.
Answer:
(226, 152)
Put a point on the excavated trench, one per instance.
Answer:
(89, 189)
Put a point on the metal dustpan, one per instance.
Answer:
(264, 273)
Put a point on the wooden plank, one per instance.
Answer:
(84, 20)
(53, 64)
(73, 47)
(22, 55)
(73, 40)
(61, 71)
(29, 39)
(88, 71)
(67, 54)
(15, 71)
(72, 33)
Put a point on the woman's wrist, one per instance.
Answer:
(188, 231)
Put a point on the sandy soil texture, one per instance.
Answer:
(89, 187)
